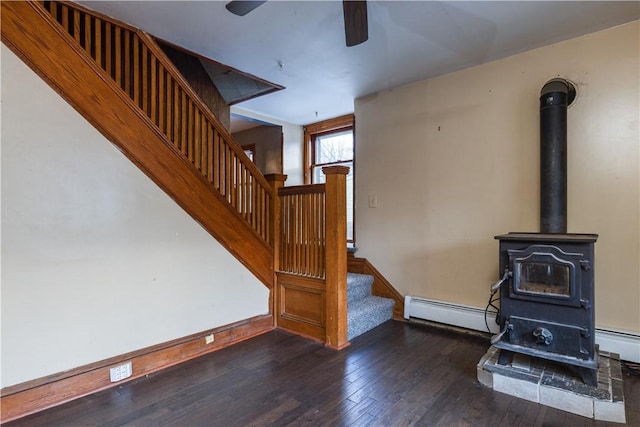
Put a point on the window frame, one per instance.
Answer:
(326, 127)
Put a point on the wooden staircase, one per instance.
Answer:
(121, 81)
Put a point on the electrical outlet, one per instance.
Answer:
(121, 372)
(209, 339)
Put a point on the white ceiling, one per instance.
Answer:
(300, 44)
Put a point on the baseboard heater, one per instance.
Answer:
(625, 343)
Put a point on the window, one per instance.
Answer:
(332, 143)
(250, 150)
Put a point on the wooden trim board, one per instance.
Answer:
(37, 395)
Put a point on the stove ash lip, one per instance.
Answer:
(555, 96)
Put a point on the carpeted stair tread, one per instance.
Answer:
(367, 313)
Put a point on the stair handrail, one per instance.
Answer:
(247, 195)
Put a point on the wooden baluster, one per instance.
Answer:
(293, 243)
(239, 186)
(246, 177)
(127, 63)
(76, 25)
(191, 131)
(108, 49)
(323, 234)
(64, 12)
(176, 115)
(204, 141)
(216, 160)
(98, 42)
(236, 178)
(256, 206)
(284, 208)
(169, 108)
(292, 234)
(136, 70)
(301, 227)
(210, 154)
(238, 183)
(87, 32)
(305, 234)
(228, 172)
(117, 56)
(259, 210)
(202, 161)
(296, 234)
(316, 226)
(222, 165)
(145, 79)
(161, 101)
(196, 138)
(154, 90)
(289, 233)
(53, 9)
(184, 144)
(267, 216)
(245, 192)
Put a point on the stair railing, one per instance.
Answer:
(137, 64)
(311, 285)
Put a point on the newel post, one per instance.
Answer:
(336, 256)
(276, 181)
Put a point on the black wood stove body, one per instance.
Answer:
(547, 285)
(547, 299)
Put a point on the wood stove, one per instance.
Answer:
(547, 285)
(546, 299)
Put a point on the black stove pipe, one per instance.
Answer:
(556, 95)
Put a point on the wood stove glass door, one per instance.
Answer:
(546, 274)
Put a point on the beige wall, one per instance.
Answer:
(267, 141)
(293, 136)
(96, 260)
(454, 161)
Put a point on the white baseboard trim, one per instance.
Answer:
(625, 343)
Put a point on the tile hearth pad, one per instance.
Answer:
(556, 385)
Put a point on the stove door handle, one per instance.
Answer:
(496, 286)
(494, 339)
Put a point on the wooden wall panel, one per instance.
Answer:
(301, 305)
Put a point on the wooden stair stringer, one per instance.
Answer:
(36, 38)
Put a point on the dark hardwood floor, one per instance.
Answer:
(399, 374)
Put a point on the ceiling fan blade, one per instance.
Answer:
(355, 22)
(242, 7)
